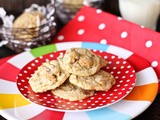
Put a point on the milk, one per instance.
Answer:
(142, 12)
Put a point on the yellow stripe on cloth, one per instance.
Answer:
(143, 92)
(12, 100)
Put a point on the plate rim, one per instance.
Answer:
(4, 114)
(76, 110)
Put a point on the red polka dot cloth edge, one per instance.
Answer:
(95, 25)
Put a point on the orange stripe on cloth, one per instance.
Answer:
(12, 101)
(144, 92)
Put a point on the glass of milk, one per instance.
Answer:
(142, 12)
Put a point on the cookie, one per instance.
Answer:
(101, 81)
(103, 62)
(71, 92)
(23, 22)
(48, 76)
(80, 61)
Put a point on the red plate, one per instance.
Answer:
(121, 70)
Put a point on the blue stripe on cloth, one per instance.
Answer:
(107, 114)
(96, 46)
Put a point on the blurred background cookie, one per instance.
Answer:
(27, 20)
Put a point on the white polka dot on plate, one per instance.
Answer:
(120, 93)
(103, 41)
(124, 62)
(105, 57)
(112, 100)
(94, 50)
(41, 57)
(118, 72)
(52, 99)
(124, 34)
(117, 62)
(22, 80)
(115, 90)
(59, 101)
(114, 68)
(120, 81)
(92, 98)
(128, 80)
(80, 31)
(154, 64)
(101, 26)
(21, 89)
(60, 37)
(118, 85)
(123, 89)
(81, 18)
(32, 64)
(98, 11)
(47, 60)
(113, 57)
(128, 66)
(108, 97)
(36, 61)
(99, 98)
(122, 67)
(51, 55)
(148, 44)
(133, 84)
(123, 77)
(93, 104)
(112, 72)
(110, 62)
(131, 75)
(115, 96)
(119, 18)
(116, 77)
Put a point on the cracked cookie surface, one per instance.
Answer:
(71, 92)
(101, 81)
(81, 62)
(48, 76)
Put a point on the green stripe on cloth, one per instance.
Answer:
(36, 52)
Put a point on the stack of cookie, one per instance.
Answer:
(74, 76)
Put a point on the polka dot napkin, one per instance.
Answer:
(95, 25)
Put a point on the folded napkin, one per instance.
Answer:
(94, 25)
